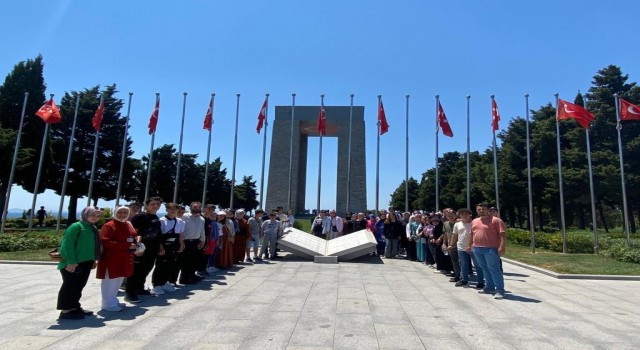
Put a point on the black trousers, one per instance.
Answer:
(166, 267)
(72, 285)
(189, 259)
(411, 250)
(141, 267)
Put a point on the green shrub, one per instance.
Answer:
(576, 242)
(12, 242)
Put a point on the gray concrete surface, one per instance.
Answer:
(363, 304)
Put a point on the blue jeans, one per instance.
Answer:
(465, 259)
(489, 262)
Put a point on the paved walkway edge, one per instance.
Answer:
(572, 276)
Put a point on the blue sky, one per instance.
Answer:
(331, 47)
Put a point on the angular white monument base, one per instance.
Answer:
(343, 248)
(322, 259)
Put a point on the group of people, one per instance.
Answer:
(449, 242)
(330, 226)
(180, 247)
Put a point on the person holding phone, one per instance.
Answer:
(80, 249)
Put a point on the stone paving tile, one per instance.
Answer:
(356, 305)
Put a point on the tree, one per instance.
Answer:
(246, 194)
(398, 196)
(218, 186)
(109, 150)
(26, 76)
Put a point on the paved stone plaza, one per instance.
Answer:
(363, 304)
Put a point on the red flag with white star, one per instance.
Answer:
(382, 119)
(322, 122)
(495, 115)
(208, 118)
(153, 120)
(629, 111)
(262, 116)
(97, 117)
(443, 123)
(567, 110)
(49, 112)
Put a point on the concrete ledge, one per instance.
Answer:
(321, 259)
(561, 276)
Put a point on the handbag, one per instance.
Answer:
(150, 234)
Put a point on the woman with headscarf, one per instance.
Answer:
(119, 240)
(80, 249)
(224, 257)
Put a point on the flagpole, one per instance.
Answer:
(469, 152)
(206, 166)
(95, 158)
(406, 158)
(39, 174)
(124, 151)
(562, 219)
(495, 162)
(235, 152)
(293, 112)
(177, 185)
(592, 191)
(264, 148)
(320, 154)
(624, 189)
(150, 163)
(66, 167)
(437, 173)
(13, 164)
(378, 160)
(349, 155)
(529, 184)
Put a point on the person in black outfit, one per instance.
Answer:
(148, 226)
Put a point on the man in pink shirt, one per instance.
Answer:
(488, 243)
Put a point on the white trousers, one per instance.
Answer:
(109, 288)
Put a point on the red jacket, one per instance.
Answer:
(116, 256)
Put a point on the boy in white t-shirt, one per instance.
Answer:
(461, 235)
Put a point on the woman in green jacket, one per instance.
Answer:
(80, 249)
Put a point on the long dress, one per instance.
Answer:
(225, 256)
(116, 257)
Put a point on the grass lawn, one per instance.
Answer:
(27, 255)
(571, 263)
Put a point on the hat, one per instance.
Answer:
(283, 217)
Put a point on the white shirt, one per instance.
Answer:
(194, 227)
(462, 229)
(176, 224)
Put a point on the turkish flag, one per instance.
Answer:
(495, 115)
(382, 119)
(153, 120)
(443, 123)
(208, 118)
(322, 121)
(49, 112)
(262, 116)
(567, 110)
(97, 117)
(629, 111)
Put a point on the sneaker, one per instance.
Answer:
(112, 309)
(83, 312)
(201, 274)
(169, 288)
(70, 315)
(212, 270)
(132, 299)
(454, 279)
(461, 283)
(480, 285)
(499, 296)
(248, 260)
(486, 291)
(158, 290)
(257, 258)
(122, 305)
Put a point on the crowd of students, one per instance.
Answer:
(180, 248)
